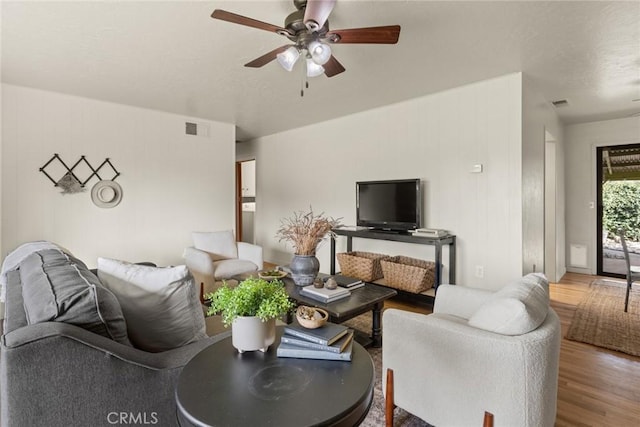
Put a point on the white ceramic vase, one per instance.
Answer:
(250, 333)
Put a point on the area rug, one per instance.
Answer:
(600, 318)
(375, 418)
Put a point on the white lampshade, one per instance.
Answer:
(288, 58)
(320, 52)
(313, 69)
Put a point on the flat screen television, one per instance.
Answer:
(394, 205)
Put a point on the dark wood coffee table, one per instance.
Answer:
(369, 297)
(221, 387)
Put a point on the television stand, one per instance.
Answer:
(387, 231)
(438, 242)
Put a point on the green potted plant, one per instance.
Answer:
(306, 231)
(251, 308)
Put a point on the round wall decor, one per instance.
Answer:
(106, 194)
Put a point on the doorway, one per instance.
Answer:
(618, 207)
(245, 200)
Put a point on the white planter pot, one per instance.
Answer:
(251, 333)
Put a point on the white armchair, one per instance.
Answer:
(479, 351)
(216, 256)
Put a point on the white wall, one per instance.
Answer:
(538, 117)
(437, 138)
(172, 183)
(1, 133)
(582, 140)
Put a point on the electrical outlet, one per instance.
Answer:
(479, 271)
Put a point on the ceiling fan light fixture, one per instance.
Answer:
(312, 25)
(333, 37)
(313, 69)
(307, 30)
(288, 58)
(320, 52)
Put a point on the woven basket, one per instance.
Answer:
(361, 265)
(408, 274)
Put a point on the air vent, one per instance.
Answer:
(196, 129)
(560, 103)
(191, 128)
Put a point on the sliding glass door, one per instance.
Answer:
(618, 202)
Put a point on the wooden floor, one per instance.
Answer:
(596, 387)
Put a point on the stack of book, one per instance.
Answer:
(328, 342)
(323, 294)
(429, 232)
(347, 282)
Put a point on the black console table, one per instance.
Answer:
(438, 242)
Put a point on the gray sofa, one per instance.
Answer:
(55, 373)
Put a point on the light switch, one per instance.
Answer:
(477, 168)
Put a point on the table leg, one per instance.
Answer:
(438, 272)
(332, 265)
(452, 261)
(376, 329)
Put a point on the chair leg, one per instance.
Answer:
(626, 297)
(488, 419)
(389, 405)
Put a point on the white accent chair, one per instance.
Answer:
(216, 256)
(479, 351)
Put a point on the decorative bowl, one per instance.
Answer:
(272, 274)
(311, 317)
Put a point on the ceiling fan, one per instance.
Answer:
(308, 30)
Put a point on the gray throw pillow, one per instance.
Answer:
(58, 287)
(161, 305)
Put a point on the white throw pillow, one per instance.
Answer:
(518, 308)
(219, 244)
(161, 305)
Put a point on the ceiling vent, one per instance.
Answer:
(196, 129)
(560, 103)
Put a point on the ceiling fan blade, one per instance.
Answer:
(249, 22)
(379, 35)
(333, 67)
(266, 58)
(317, 12)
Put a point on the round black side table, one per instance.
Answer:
(221, 387)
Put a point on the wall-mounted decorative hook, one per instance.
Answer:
(70, 182)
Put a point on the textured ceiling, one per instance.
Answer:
(173, 56)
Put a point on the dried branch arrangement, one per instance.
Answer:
(306, 231)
